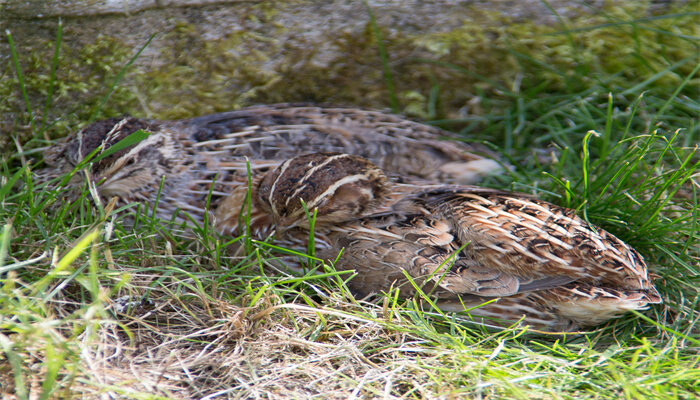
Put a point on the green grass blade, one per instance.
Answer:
(622, 23)
(15, 363)
(52, 77)
(77, 250)
(54, 363)
(646, 83)
(20, 78)
(5, 243)
(680, 87)
(133, 139)
(383, 55)
(608, 128)
(586, 166)
(10, 183)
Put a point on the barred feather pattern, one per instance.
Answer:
(203, 160)
(397, 204)
(469, 245)
(464, 244)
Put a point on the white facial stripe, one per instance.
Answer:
(328, 160)
(151, 140)
(310, 173)
(313, 204)
(115, 129)
(283, 168)
(331, 189)
(296, 192)
(80, 147)
(367, 192)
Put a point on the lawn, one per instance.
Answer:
(92, 307)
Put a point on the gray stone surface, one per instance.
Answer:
(267, 38)
(451, 10)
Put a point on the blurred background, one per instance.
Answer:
(471, 63)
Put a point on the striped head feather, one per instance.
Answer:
(340, 187)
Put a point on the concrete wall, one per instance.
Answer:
(210, 56)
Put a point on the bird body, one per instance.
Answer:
(389, 195)
(468, 245)
(463, 244)
(206, 159)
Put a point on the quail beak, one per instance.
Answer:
(285, 223)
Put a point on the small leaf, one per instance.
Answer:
(130, 140)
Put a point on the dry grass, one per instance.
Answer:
(91, 307)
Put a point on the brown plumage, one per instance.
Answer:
(463, 244)
(466, 245)
(190, 154)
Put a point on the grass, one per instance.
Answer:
(89, 307)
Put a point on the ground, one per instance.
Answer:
(599, 115)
